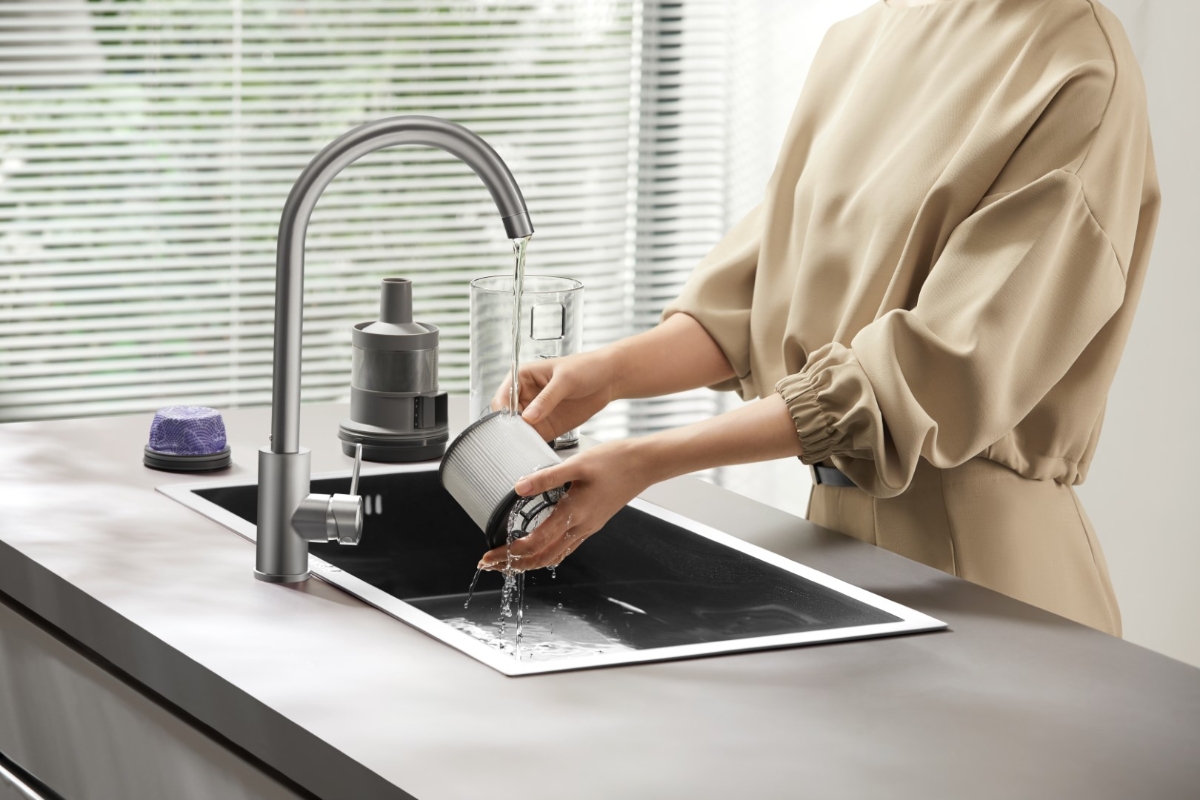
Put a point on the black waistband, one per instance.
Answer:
(830, 476)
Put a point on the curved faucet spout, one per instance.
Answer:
(289, 264)
(288, 515)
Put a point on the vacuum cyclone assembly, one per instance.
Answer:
(396, 410)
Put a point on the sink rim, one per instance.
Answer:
(908, 620)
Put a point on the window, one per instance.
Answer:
(147, 146)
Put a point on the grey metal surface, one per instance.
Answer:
(381, 370)
(393, 414)
(85, 734)
(13, 786)
(1012, 702)
(281, 555)
(395, 328)
(333, 517)
(394, 381)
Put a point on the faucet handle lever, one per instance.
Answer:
(333, 517)
(344, 519)
(357, 467)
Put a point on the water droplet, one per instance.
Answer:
(471, 590)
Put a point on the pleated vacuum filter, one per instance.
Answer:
(481, 467)
(187, 439)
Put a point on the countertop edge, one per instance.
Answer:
(188, 686)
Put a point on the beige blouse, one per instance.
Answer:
(951, 247)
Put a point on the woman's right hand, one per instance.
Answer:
(560, 394)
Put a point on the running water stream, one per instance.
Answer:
(514, 581)
(579, 636)
(514, 392)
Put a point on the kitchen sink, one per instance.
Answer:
(653, 585)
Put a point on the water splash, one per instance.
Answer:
(514, 582)
(551, 632)
(471, 590)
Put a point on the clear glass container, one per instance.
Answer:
(551, 327)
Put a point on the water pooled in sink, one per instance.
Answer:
(544, 641)
(549, 632)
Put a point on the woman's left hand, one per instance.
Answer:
(606, 477)
(603, 479)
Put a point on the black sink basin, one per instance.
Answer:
(651, 585)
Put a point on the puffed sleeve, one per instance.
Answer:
(718, 295)
(1020, 288)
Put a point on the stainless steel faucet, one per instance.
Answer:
(288, 515)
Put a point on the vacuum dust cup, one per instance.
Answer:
(483, 464)
(396, 410)
(551, 326)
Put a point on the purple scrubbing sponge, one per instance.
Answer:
(187, 431)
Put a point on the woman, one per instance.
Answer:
(930, 302)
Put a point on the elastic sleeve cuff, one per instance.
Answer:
(818, 435)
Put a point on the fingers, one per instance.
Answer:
(540, 539)
(543, 538)
(546, 479)
(546, 401)
(530, 551)
(548, 543)
(500, 400)
(531, 376)
(547, 546)
(546, 430)
(514, 556)
(553, 552)
(568, 544)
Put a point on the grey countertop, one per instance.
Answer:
(348, 702)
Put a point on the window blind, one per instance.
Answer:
(147, 147)
(680, 200)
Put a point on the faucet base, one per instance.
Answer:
(283, 482)
(273, 578)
